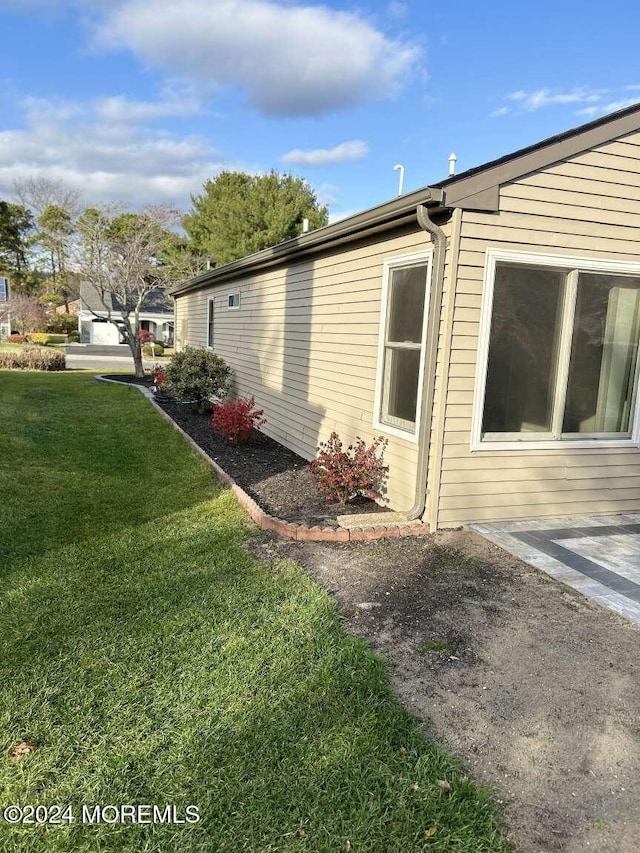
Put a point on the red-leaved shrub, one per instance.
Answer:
(145, 336)
(343, 474)
(237, 419)
(16, 339)
(158, 376)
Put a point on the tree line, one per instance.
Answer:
(50, 241)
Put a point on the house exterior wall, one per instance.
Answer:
(86, 318)
(305, 342)
(587, 206)
(5, 321)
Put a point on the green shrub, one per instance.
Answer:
(46, 338)
(196, 375)
(32, 359)
(73, 337)
(153, 349)
(63, 323)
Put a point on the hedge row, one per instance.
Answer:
(46, 338)
(32, 359)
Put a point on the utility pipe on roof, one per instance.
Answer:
(439, 241)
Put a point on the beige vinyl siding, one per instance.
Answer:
(587, 206)
(305, 343)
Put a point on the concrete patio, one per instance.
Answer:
(597, 555)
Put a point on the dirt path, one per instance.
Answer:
(534, 687)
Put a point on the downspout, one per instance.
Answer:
(439, 241)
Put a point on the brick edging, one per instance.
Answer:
(286, 529)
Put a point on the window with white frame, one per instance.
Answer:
(210, 318)
(233, 300)
(4, 289)
(403, 324)
(559, 350)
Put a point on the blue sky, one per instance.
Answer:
(140, 101)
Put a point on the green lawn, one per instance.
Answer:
(150, 659)
(18, 347)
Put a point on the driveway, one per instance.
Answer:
(533, 685)
(110, 364)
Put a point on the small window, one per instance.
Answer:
(210, 310)
(401, 357)
(4, 289)
(234, 300)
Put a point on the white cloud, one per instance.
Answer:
(592, 101)
(532, 101)
(119, 110)
(106, 161)
(610, 107)
(287, 58)
(396, 9)
(354, 150)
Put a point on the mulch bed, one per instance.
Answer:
(275, 477)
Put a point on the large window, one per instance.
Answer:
(559, 350)
(4, 289)
(402, 342)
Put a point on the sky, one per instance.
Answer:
(141, 101)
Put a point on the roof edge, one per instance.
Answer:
(540, 155)
(473, 189)
(345, 229)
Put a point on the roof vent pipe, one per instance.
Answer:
(305, 226)
(452, 164)
(399, 168)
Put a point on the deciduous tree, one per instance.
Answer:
(38, 192)
(119, 254)
(27, 314)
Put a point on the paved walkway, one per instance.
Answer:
(597, 555)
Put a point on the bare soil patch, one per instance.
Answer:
(532, 685)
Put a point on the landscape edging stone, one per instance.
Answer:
(286, 529)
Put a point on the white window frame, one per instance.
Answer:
(389, 265)
(230, 296)
(211, 322)
(571, 264)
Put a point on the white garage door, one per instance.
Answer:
(104, 333)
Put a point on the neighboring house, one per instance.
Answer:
(487, 326)
(156, 317)
(74, 307)
(5, 321)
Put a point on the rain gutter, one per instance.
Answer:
(439, 241)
